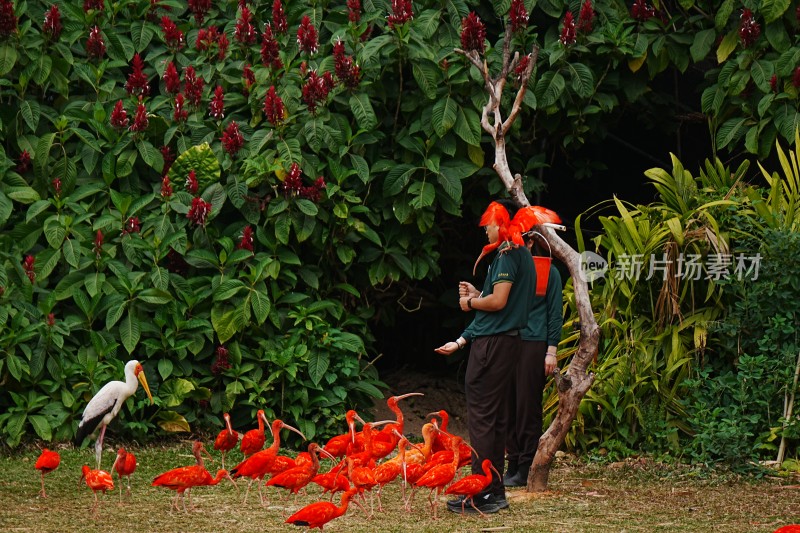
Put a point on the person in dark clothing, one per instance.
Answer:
(501, 311)
(540, 339)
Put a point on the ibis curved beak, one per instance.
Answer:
(407, 395)
(290, 428)
(143, 380)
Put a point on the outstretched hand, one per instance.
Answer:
(447, 348)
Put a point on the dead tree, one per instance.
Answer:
(572, 385)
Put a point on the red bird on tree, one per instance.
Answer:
(124, 464)
(320, 513)
(472, 485)
(97, 480)
(46, 463)
(254, 439)
(227, 438)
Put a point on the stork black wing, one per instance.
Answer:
(88, 425)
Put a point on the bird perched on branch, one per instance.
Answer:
(46, 463)
(106, 404)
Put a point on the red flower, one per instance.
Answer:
(51, 320)
(168, 156)
(313, 192)
(137, 80)
(166, 188)
(568, 35)
(180, 114)
(191, 182)
(95, 46)
(246, 242)
(522, 66)
(205, 38)
(56, 183)
(132, 225)
(473, 33)
(222, 45)
(28, 266)
(346, 70)
(98, 244)
(402, 12)
(217, 106)
(171, 79)
(52, 23)
(586, 17)
(199, 211)
(199, 9)
(316, 89)
(773, 83)
(119, 117)
(796, 77)
(140, 121)
(749, 30)
(172, 35)
(307, 36)
(8, 20)
(221, 363)
(270, 49)
(354, 11)
(249, 78)
(273, 107)
(279, 17)
(193, 86)
(641, 11)
(97, 5)
(24, 163)
(245, 31)
(518, 16)
(292, 183)
(232, 139)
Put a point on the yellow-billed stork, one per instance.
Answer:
(105, 405)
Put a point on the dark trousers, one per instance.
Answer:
(525, 403)
(491, 365)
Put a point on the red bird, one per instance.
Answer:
(298, 477)
(332, 481)
(124, 464)
(442, 439)
(254, 439)
(184, 478)
(388, 471)
(439, 476)
(337, 446)
(320, 513)
(471, 485)
(387, 434)
(227, 438)
(258, 465)
(96, 480)
(46, 463)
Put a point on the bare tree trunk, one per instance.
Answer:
(573, 385)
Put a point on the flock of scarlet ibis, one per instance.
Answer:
(363, 460)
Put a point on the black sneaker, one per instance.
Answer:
(519, 479)
(485, 503)
(501, 501)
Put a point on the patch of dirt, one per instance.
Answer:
(440, 392)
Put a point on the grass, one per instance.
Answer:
(636, 495)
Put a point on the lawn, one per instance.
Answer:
(636, 495)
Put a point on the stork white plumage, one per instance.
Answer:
(105, 405)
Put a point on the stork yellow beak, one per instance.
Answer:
(143, 381)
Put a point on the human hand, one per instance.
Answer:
(467, 289)
(448, 348)
(550, 364)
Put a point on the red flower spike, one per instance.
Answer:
(180, 114)
(52, 23)
(586, 17)
(473, 33)
(522, 66)
(199, 211)
(249, 78)
(402, 12)
(193, 86)
(568, 35)
(316, 89)
(246, 241)
(173, 37)
(270, 49)
(119, 117)
(273, 107)
(191, 182)
(24, 162)
(166, 188)
(51, 320)
(132, 225)
(292, 183)
(199, 9)
(28, 265)
(773, 83)
(171, 79)
(307, 36)
(346, 70)
(98, 244)
(641, 11)
(137, 80)
(518, 16)
(95, 46)
(56, 183)
(169, 157)
(8, 20)
(222, 362)
(749, 29)
(245, 33)
(232, 139)
(140, 120)
(222, 46)
(354, 11)
(279, 17)
(217, 106)
(97, 5)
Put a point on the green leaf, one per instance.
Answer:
(30, 111)
(549, 89)
(730, 131)
(54, 232)
(155, 296)
(129, 332)
(727, 46)
(307, 207)
(397, 179)
(450, 185)
(223, 322)
(72, 252)
(202, 160)
(444, 115)
(42, 428)
(427, 22)
(94, 283)
(362, 110)
(361, 166)
(173, 422)
(159, 277)
(423, 194)
(38, 207)
(113, 314)
(228, 289)
(6, 208)
(165, 368)
(47, 261)
(773, 9)
(312, 133)
(141, 34)
(468, 126)
(23, 195)
(723, 14)
(318, 363)
(260, 303)
(582, 79)
(8, 57)
(761, 72)
(428, 76)
(703, 42)
(283, 224)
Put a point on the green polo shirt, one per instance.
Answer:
(545, 316)
(514, 266)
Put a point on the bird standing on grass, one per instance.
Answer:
(124, 464)
(46, 463)
(97, 480)
(254, 440)
(227, 438)
(320, 513)
(106, 404)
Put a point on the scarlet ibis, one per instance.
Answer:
(184, 478)
(298, 477)
(472, 485)
(399, 424)
(258, 465)
(442, 439)
(105, 405)
(97, 480)
(124, 464)
(46, 463)
(320, 513)
(337, 446)
(254, 439)
(388, 471)
(227, 438)
(332, 481)
(439, 476)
